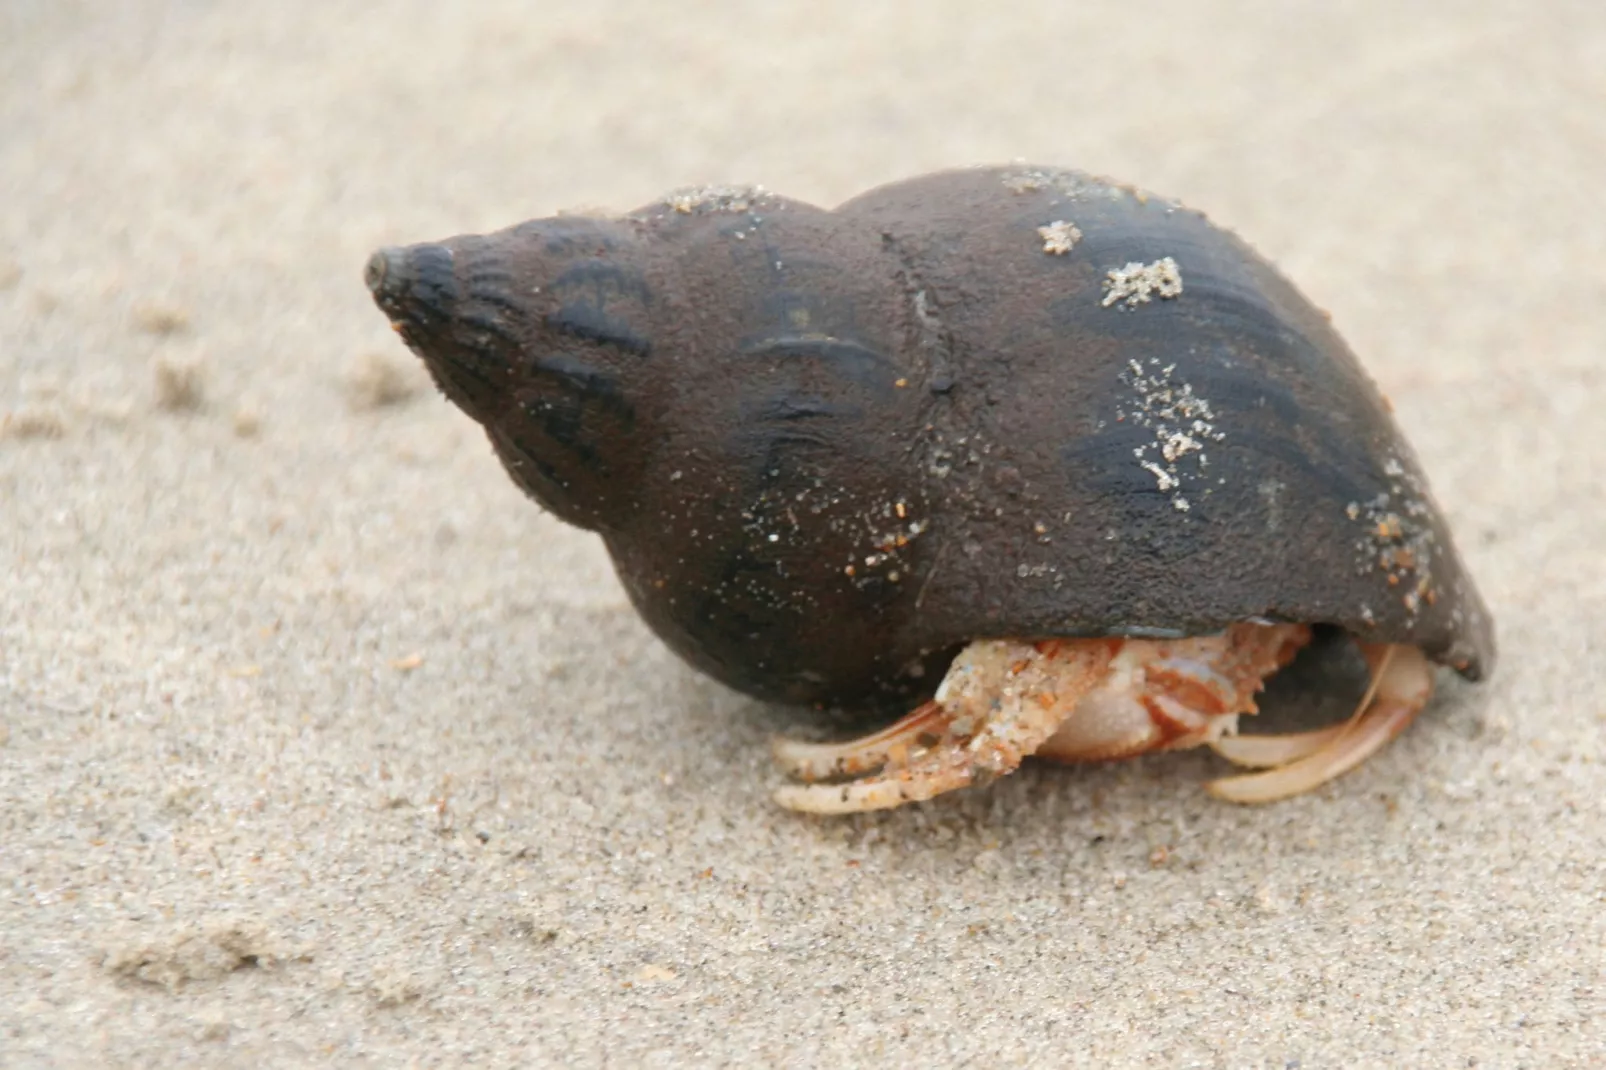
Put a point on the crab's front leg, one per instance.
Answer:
(1000, 701)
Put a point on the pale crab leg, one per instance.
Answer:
(1270, 751)
(998, 703)
(855, 757)
(1402, 685)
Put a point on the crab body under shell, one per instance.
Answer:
(829, 448)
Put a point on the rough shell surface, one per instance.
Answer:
(827, 448)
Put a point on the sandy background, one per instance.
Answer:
(318, 743)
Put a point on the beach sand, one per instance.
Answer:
(320, 744)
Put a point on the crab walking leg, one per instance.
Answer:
(998, 703)
(855, 757)
(1403, 685)
(1270, 751)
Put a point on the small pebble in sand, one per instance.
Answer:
(247, 422)
(396, 986)
(653, 972)
(180, 385)
(378, 382)
(33, 422)
(161, 319)
(212, 1024)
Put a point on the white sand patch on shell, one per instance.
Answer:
(1059, 237)
(1137, 283)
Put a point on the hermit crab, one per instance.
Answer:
(1056, 464)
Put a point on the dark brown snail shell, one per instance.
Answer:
(827, 448)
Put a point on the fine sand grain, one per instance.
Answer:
(320, 745)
